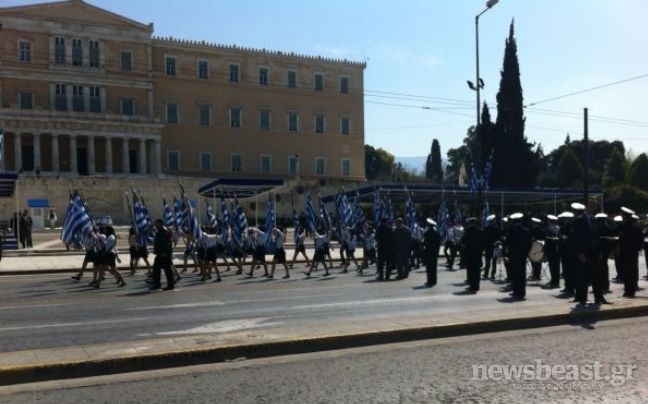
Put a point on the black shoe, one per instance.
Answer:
(76, 277)
(168, 288)
(154, 288)
(603, 302)
(285, 277)
(217, 280)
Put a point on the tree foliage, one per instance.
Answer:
(378, 164)
(638, 172)
(625, 195)
(615, 169)
(569, 172)
(433, 166)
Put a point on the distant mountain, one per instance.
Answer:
(417, 162)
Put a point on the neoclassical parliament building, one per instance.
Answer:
(89, 94)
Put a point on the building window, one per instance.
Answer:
(59, 50)
(264, 119)
(205, 162)
(77, 52)
(319, 82)
(320, 165)
(234, 73)
(319, 123)
(25, 54)
(95, 99)
(293, 121)
(204, 115)
(266, 164)
(127, 106)
(345, 125)
(203, 69)
(172, 112)
(292, 79)
(235, 117)
(346, 167)
(263, 76)
(60, 98)
(344, 85)
(93, 56)
(170, 65)
(126, 60)
(293, 165)
(78, 102)
(26, 100)
(173, 160)
(236, 163)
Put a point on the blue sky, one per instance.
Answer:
(424, 51)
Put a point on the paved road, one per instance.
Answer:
(439, 371)
(49, 311)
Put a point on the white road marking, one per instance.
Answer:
(75, 324)
(223, 326)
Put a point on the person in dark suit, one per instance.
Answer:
(472, 243)
(630, 243)
(402, 243)
(567, 255)
(605, 235)
(385, 248)
(431, 246)
(552, 251)
(163, 249)
(518, 243)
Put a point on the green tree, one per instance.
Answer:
(378, 164)
(615, 169)
(569, 172)
(625, 195)
(433, 169)
(638, 172)
(515, 162)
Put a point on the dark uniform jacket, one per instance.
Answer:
(431, 244)
(472, 242)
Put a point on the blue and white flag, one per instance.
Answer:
(442, 220)
(324, 214)
(459, 218)
(296, 223)
(169, 220)
(358, 214)
(487, 172)
(211, 217)
(1, 143)
(411, 212)
(269, 221)
(236, 225)
(77, 222)
(225, 219)
(485, 214)
(310, 213)
(143, 224)
(378, 211)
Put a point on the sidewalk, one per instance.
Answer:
(270, 340)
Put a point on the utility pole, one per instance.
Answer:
(586, 161)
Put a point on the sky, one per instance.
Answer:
(419, 54)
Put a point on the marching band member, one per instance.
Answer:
(538, 235)
(551, 249)
(472, 243)
(431, 245)
(518, 243)
(630, 243)
(606, 237)
(567, 255)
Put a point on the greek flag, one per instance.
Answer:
(310, 213)
(211, 217)
(487, 171)
(77, 222)
(168, 215)
(236, 226)
(442, 220)
(224, 219)
(269, 221)
(378, 212)
(358, 214)
(324, 214)
(1, 143)
(296, 223)
(458, 212)
(486, 213)
(143, 224)
(177, 213)
(242, 220)
(411, 212)
(474, 183)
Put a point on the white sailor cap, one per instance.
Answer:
(618, 218)
(566, 214)
(505, 220)
(516, 216)
(601, 216)
(536, 220)
(627, 211)
(577, 206)
(635, 217)
(491, 217)
(430, 221)
(552, 217)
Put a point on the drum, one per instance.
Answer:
(536, 253)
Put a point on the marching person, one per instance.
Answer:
(552, 251)
(417, 246)
(606, 237)
(472, 243)
(455, 232)
(588, 252)
(630, 243)
(492, 235)
(108, 258)
(402, 243)
(162, 248)
(431, 246)
(90, 244)
(537, 232)
(369, 248)
(518, 244)
(258, 256)
(351, 241)
(567, 252)
(280, 253)
(320, 239)
(300, 248)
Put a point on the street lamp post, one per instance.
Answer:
(478, 82)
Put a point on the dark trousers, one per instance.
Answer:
(536, 270)
(582, 279)
(416, 254)
(488, 256)
(599, 276)
(382, 261)
(518, 276)
(568, 273)
(473, 275)
(402, 263)
(605, 277)
(630, 267)
(554, 270)
(453, 254)
(431, 270)
(162, 262)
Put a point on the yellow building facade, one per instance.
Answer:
(86, 92)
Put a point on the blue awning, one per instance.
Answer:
(239, 187)
(38, 203)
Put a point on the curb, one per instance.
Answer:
(69, 370)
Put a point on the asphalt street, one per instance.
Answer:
(437, 371)
(51, 311)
